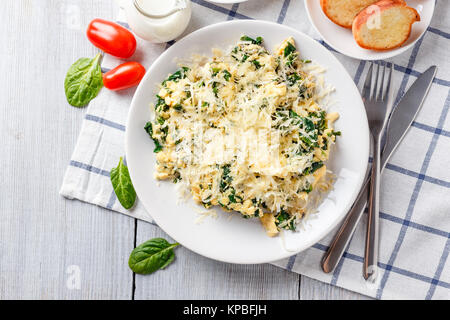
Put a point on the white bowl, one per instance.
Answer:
(241, 240)
(341, 39)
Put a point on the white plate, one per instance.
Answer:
(341, 39)
(240, 240)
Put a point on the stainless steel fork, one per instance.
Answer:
(378, 102)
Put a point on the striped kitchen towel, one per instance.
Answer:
(415, 200)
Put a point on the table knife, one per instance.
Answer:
(399, 123)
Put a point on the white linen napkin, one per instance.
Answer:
(415, 199)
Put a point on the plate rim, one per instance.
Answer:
(382, 54)
(359, 180)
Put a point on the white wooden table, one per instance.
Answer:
(42, 234)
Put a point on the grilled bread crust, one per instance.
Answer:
(387, 31)
(342, 12)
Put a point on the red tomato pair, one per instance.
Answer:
(119, 42)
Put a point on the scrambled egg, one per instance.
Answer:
(244, 131)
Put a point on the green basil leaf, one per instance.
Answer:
(121, 182)
(83, 81)
(151, 256)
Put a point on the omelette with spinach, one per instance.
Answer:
(244, 131)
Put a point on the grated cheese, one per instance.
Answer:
(246, 130)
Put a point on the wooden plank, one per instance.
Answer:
(192, 276)
(41, 233)
(311, 289)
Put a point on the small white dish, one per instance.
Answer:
(239, 240)
(341, 39)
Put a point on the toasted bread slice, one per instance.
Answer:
(342, 12)
(384, 25)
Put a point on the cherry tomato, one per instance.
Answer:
(111, 38)
(124, 76)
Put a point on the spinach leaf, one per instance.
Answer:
(215, 89)
(308, 189)
(307, 141)
(158, 146)
(151, 256)
(313, 168)
(178, 107)
(161, 120)
(215, 71)
(322, 124)
(232, 196)
(83, 81)
(180, 74)
(289, 49)
(160, 104)
(149, 129)
(290, 59)
(226, 178)
(325, 144)
(256, 64)
(308, 124)
(226, 75)
(293, 114)
(302, 91)
(258, 40)
(336, 133)
(284, 216)
(293, 78)
(122, 185)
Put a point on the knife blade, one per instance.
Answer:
(401, 119)
(403, 115)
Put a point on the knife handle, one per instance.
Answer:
(344, 234)
(370, 265)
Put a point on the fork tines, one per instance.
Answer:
(369, 92)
